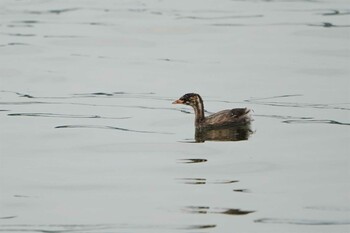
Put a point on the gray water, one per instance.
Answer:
(91, 143)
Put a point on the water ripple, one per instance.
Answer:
(14, 44)
(283, 117)
(194, 227)
(242, 190)
(192, 160)
(117, 94)
(209, 210)
(195, 181)
(202, 181)
(106, 127)
(302, 221)
(220, 17)
(58, 115)
(56, 11)
(261, 101)
(24, 103)
(328, 208)
(55, 228)
(8, 217)
(19, 34)
(332, 122)
(302, 120)
(93, 105)
(327, 25)
(82, 95)
(335, 12)
(83, 228)
(301, 105)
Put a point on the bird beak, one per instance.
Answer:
(178, 102)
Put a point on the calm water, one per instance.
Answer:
(91, 143)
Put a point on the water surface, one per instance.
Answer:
(91, 143)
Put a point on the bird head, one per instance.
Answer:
(191, 99)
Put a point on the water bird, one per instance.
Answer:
(224, 118)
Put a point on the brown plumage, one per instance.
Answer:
(236, 116)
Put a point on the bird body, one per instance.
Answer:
(229, 117)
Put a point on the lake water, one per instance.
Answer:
(90, 142)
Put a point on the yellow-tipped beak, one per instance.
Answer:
(178, 102)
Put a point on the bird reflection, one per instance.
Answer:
(231, 133)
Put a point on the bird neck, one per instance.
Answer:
(199, 112)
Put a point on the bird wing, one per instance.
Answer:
(224, 117)
(239, 112)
